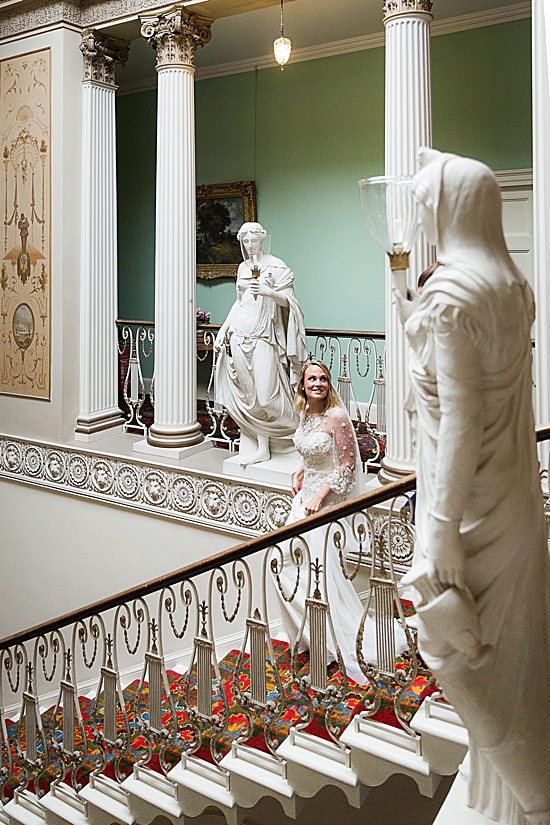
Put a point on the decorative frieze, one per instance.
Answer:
(175, 33)
(215, 502)
(101, 54)
(34, 15)
(392, 7)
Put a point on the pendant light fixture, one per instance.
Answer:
(282, 46)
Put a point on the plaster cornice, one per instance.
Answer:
(27, 16)
(464, 22)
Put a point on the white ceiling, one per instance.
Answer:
(307, 23)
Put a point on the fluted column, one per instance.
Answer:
(175, 34)
(99, 415)
(408, 126)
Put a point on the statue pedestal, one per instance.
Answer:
(455, 810)
(278, 470)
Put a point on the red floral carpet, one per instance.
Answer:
(356, 699)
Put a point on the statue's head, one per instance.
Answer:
(459, 200)
(251, 236)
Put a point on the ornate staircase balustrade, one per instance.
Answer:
(183, 693)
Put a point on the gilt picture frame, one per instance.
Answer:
(221, 209)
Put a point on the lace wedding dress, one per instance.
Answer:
(328, 446)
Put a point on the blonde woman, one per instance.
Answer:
(330, 474)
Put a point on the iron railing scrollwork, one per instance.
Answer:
(191, 663)
(355, 359)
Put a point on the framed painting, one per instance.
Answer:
(221, 210)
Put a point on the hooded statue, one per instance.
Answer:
(481, 568)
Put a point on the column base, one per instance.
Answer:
(99, 425)
(392, 470)
(178, 437)
(171, 452)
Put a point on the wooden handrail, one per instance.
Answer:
(240, 551)
(542, 432)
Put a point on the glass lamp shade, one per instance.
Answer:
(390, 213)
(281, 49)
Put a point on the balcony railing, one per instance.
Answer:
(355, 359)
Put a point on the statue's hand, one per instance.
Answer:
(406, 305)
(220, 339)
(259, 287)
(445, 553)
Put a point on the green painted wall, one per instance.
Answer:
(136, 150)
(306, 135)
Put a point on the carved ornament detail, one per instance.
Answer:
(175, 34)
(391, 8)
(192, 497)
(101, 54)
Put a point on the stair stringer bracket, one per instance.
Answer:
(313, 763)
(378, 751)
(200, 785)
(255, 775)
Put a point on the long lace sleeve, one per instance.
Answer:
(342, 478)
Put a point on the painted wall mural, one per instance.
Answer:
(25, 284)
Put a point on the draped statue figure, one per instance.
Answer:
(481, 571)
(261, 347)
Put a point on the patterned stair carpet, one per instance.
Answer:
(356, 699)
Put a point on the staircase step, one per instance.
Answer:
(313, 763)
(107, 801)
(24, 809)
(150, 793)
(444, 737)
(201, 785)
(255, 774)
(64, 806)
(379, 750)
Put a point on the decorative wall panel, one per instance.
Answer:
(25, 282)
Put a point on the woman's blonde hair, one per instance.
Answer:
(300, 401)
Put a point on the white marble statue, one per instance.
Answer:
(481, 570)
(261, 347)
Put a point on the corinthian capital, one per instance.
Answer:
(391, 8)
(175, 33)
(101, 54)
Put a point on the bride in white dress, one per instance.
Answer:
(330, 474)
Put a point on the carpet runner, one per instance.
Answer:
(355, 701)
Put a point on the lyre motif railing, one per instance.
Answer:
(192, 663)
(136, 360)
(191, 666)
